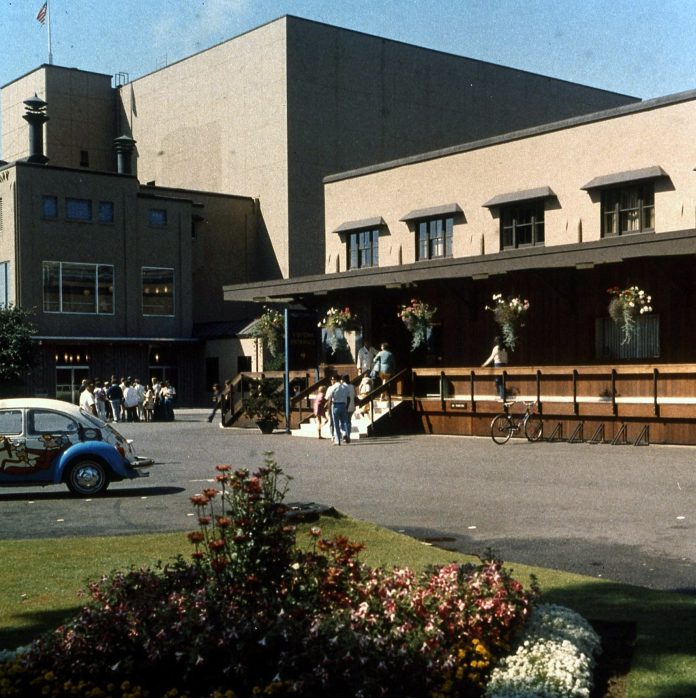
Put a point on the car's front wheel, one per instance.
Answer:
(87, 477)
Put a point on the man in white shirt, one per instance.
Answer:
(87, 401)
(337, 397)
(366, 356)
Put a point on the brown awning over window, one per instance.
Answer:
(444, 210)
(363, 224)
(517, 196)
(625, 177)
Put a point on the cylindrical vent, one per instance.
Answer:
(36, 117)
(124, 154)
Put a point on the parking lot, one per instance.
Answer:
(620, 512)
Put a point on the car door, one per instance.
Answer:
(48, 434)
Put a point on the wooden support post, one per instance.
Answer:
(614, 407)
(575, 392)
(473, 395)
(656, 405)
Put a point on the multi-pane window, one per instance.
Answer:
(628, 210)
(70, 287)
(522, 225)
(363, 249)
(157, 217)
(106, 211)
(49, 206)
(78, 209)
(158, 291)
(5, 290)
(644, 345)
(434, 238)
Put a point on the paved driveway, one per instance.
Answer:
(620, 512)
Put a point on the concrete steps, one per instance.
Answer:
(359, 423)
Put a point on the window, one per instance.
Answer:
(522, 225)
(158, 217)
(10, 421)
(158, 291)
(78, 209)
(50, 207)
(5, 288)
(106, 211)
(40, 422)
(434, 238)
(84, 158)
(628, 210)
(363, 249)
(78, 288)
(645, 344)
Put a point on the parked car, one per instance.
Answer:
(46, 442)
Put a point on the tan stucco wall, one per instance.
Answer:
(564, 160)
(81, 110)
(217, 121)
(7, 229)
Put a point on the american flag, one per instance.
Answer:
(41, 17)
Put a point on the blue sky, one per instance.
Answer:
(637, 47)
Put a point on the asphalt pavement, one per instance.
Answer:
(626, 513)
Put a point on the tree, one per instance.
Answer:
(16, 350)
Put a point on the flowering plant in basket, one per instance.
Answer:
(270, 327)
(418, 317)
(337, 319)
(509, 313)
(626, 304)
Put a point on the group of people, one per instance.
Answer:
(128, 400)
(337, 403)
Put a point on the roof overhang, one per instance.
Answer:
(583, 255)
(363, 224)
(514, 197)
(443, 210)
(625, 177)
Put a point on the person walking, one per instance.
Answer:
(337, 396)
(217, 401)
(384, 363)
(319, 409)
(499, 358)
(350, 406)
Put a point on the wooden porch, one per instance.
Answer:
(640, 404)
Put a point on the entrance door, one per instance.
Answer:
(68, 381)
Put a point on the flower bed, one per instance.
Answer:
(252, 614)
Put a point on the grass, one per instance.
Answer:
(40, 583)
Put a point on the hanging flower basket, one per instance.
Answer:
(625, 306)
(269, 328)
(509, 313)
(418, 318)
(334, 320)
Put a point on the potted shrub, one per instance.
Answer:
(264, 403)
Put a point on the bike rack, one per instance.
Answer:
(557, 433)
(620, 438)
(643, 439)
(577, 436)
(598, 436)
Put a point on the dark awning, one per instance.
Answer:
(625, 177)
(522, 195)
(364, 224)
(444, 210)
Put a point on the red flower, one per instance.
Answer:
(223, 468)
(196, 537)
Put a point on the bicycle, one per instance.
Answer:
(504, 425)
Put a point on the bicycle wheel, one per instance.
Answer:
(501, 429)
(534, 428)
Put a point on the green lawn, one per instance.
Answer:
(41, 580)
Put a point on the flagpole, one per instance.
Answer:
(48, 20)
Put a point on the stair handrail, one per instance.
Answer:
(376, 392)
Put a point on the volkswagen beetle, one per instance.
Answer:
(46, 442)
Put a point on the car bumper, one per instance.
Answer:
(141, 462)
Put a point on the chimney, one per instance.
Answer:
(124, 154)
(36, 118)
